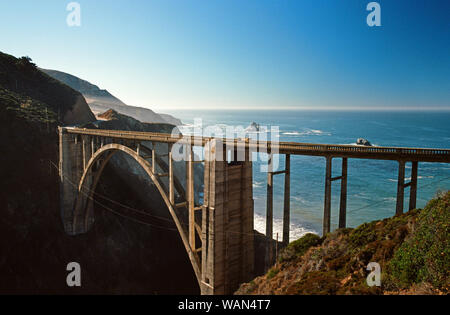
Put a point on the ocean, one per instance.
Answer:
(372, 184)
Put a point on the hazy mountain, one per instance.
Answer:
(101, 100)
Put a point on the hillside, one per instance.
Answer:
(118, 255)
(82, 86)
(101, 100)
(115, 121)
(21, 78)
(412, 250)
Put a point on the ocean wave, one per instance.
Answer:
(298, 199)
(360, 145)
(250, 132)
(308, 132)
(316, 132)
(257, 184)
(409, 178)
(292, 133)
(295, 232)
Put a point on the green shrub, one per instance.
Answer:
(364, 234)
(425, 256)
(272, 273)
(299, 247)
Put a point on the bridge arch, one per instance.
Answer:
(83, 206)
(219, 234)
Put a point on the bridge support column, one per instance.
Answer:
(343, 205)
(227, 222)
(402, 185)
(413, 186)
(287, 200)
(269, 214)
(73, 153)
(400, 188)
(190, 198)
(171, 180)
(343, 200)
(327, 201)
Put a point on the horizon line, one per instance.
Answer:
(340, 109)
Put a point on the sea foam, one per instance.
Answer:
(296, 231)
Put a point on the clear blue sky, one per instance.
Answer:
(243, 53)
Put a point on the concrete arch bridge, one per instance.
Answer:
(218, 234)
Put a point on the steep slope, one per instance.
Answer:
(412, 249)
(119, 255)
(21, 77)
(82, 86)
(101, 100)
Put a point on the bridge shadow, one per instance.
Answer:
(138, 249)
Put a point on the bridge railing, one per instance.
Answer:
(388, 153)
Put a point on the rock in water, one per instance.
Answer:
(365, 142)
(254, 127)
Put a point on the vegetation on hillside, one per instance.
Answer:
(35, 95)
(26, 108)
(412, 250)
(424, 257)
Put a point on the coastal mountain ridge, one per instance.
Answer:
(100, 100)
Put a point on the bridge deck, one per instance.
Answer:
(293, 148)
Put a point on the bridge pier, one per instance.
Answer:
(401, 185)
(287, 201)
(413, 186)
(269, 214)
(74, 152)
(270, 259)
(327, 200)
(227, 222)
(343, 204)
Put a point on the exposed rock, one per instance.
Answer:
(112, 120)
(362, 141)
(254, 127)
